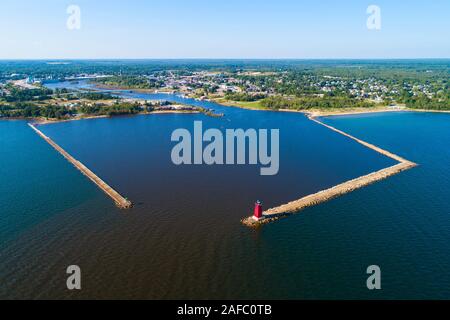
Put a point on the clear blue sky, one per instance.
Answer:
(31, 29)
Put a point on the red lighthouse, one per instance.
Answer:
(258, 215)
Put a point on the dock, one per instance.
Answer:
(296, 206)
(118, 199)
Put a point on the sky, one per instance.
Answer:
(264, 29)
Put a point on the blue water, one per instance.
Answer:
(32, 181)
(183, 238)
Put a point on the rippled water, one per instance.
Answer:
(183, 238)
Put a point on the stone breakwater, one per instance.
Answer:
(338, 190)
(119, 200)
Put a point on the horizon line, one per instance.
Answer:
(217, 59)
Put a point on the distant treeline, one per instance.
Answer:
(95, 96)
(20, 95)
(71, 95)
(423, 102)
(111, 110)
(245, 97)
(27, 110)
(135, 82)
(58, 70)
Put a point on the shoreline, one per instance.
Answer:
(40, 121)
(316, 112)
(330, 112)
(356, 112)
(235, 104)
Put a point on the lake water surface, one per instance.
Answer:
(183, 238)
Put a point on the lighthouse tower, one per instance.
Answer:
(258, 214)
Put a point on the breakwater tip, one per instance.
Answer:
(252, 222)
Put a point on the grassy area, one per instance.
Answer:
(256, 105)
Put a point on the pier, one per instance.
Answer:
(293, 207)
(119, 200)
